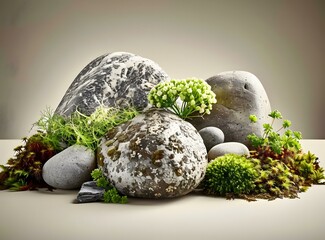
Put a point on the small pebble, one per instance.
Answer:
(227, 147)
(212, 136)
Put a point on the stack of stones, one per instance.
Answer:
(214, 137)
(156, 154)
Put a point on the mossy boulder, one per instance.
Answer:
(155, 155)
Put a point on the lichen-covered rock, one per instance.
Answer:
(228, 147)
(239, 94)
(211, 136)
(114, 79)
(155, 155)
(70, 168)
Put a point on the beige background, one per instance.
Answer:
(44, 44)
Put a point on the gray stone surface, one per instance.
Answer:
(239, 94)
(89, 192)
(212, 136)
(155, 155)
(114, 79)
(70, 168)
(227, 147)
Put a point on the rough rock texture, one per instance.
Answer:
(89, 192)
(211, 136)
(228, 147)
(115, 79)
(70, 168)
(155, 155)
(239, 94)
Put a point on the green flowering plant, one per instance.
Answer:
(183, 97)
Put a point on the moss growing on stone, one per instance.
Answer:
(157, 155)
(111, 151)
(100, 158)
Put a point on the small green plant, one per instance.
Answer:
(24, 170)
(81, 129)
(111, 195)
(307, 166)
(275, 180)
(272, 139)
(230, 175)
(183, 97)
(284, 169)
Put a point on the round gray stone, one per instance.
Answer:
(212, 136)
(116, 79)
(155, 155)
(70, 168)
(227, 147)
(239, 94)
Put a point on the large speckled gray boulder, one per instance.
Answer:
(239, 94)
(155, 155)
(114, 79)
(70, 168)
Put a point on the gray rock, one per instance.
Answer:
(114, 79)
(211, 136)
(70, 168)
(228, 147)
(89, 192)
(239, 94)
(155, 155)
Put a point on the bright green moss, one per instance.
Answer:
(230, 174)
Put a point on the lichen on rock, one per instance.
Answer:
(115, 79)
(156, 155)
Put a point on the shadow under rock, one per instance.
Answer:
(154, 202)
(57, 191)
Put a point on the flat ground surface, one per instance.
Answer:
(36, 215)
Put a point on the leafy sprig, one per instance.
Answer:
(183, 97)
(111, 195)
(271, 138)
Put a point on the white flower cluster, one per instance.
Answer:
(195, 94)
